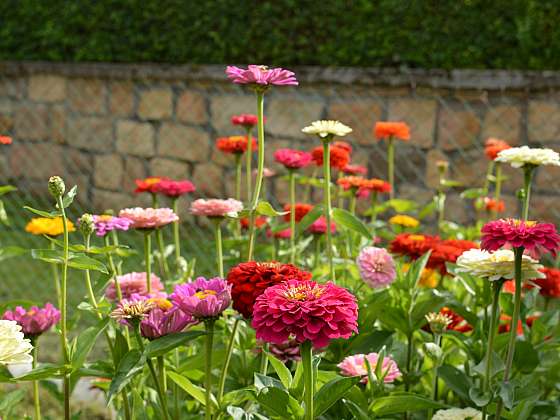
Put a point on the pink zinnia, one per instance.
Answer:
(261, 75)
(216, 208)
(133, 284)
(533, 236)
(305, 311)
(161, 322)
(356, 366)
(376, 266)
(280, 234)
(246, 120)
(105, 223)
(203, 298)
(319, 226)
(292, 159)
(174, 189)
(354, 169)
(34, 321)
(149, 218)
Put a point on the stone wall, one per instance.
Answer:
(103, 125)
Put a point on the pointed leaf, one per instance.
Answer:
(69, 197)
(5, 189)
(11, 251)
(279, 403)
(308, 219)
(162, 345)
(131, 364)
(193, 390)
(455, 380)
(262, 381)
(402, 402)
(83, 262)
(356, 410)
(281, 370)
(42, 213)
(46, 370)
(85, 342)
(265, 208)
(333, 391)
(346, 219)
(48, 255)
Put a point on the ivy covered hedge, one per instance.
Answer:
(521, 34)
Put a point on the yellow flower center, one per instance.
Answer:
(161, 303)
(203, 294)
(303, 292)
(31, 312)
(416, 237)
(152, 180)
(104, 218)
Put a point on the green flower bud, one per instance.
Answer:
(87, 225)
(56, 186)
(433, 351)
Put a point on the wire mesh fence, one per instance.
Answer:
(101, 129)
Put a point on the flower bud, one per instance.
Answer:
(87, 225)
(442, 166)
(56, 186)
(438, 322)
(433, 351)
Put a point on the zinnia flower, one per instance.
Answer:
(161, 322)
(261, 76)
(343, 145)
(34, 321)
(171, 188)
(456, 321)
(235, 144)
(458, 414)
(280, 234)
(518, 157)
(133, 284)
(319, 226)
(131, 311)
(496, 265)
(5, 140)
(48, 226)
(215, 207)
(14, 348)
(106, 223)
(412, 245)
(490, 204)
(149, 218)
(376, 267)
(351, 182)
(305, 311)
(203, 298)
(397, 130)
(286, 352)
(246, 120)
(550, 284)
(446, 251)
(373, 185)
(327, 128)
(292, 159)
(250, 279)
(355, 365)
(260, 221)
(301, 210)
(148, 184)
(339, 158)
(494, 146)
(350, 169)
(540, 237)
(404, 220)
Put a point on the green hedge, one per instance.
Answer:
(520, 34)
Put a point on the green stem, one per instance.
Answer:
(497, 286)
(55, 275)
(163, 266)
(229, 352)
(292, 181)
(176, 388)
(327, 194)
(489, 172)
(161, 373)
(113, 268)
(317, 252)
(260, 170)
(176, 236)
(63, 292)
(437, 341)
(148, 259)
(391, 165)
(307, 194)
(408, 362)
(339, 190)
(309, 381)
(36, 399)
(518, 253)
(218, 239)
(208, 373)
(372, 208)
(238, 176)
(264, 359)
(527, 178)
(441, 209)
(497, 188)
(248, 163)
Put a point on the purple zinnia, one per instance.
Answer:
(376, 266)
(160, 322)
(106, 223)
(203, 298)
(34, 321)
(261, 75)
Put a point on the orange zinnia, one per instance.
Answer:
(339, 157)
(235, 144)
(494, 146)
(349, 182)
(399, 130)
(490, 204)
(5, 140)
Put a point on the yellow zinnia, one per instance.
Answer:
(47, 226)
(404, 220)
(429, 278)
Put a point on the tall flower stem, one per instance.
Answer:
(208, 373)
(497, 187)
(518, 253)
(307, 195)
(292, 182)
(309, 380)
(248, 164)
(218, 238)
(527, 178)
(164, 267)
(437, 341)
(408, 361)
(161, 373)
(373, 206)
(327, 195)
(496, 286)
(229, 352)
(260, 171)
(55, 275)
(176, 236)
(36, 399)
(148, 259)
(63, 291)
(264, 359)
(391, 165)
(238, 164)
(113, 267)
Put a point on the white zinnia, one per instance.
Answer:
(458, 414)
(325, 128)
(496, 265)
(14, 348)
(525, 155)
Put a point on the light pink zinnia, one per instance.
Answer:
(533, 236)
(131, 284)
(215, 207)
(292, 159)
(376, 266)
(305, 311)
(149, 218)
(261, 75)
(356, 366)
(319, 226)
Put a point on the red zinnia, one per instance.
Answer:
(149, 184)
(5, 140)
(354, 169)
(249, 280)
(448, 251)
(301, 210)
(260, 221)
(235, 144)
(550, 285)
(339, 157)
(494, 146)
(172, 188)
(399, 130)
(540, 237)
(505, 324)
(343, 145)
(490, 204)
(246, 120)
(412, 245)
(373, 185)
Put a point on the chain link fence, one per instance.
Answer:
(103, 126)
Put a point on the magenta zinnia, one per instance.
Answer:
(356, 366)
(292, 159)
(376, 266)
(533, 236)
(305, 311)
(203, 298)
(34, 321)
(261, 75)
(106, 223)
(160, 322)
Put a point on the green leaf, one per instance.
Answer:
(414, 272)
(308, 219)
(11, 251)
(333, 391)
(429, 209)
(455, 380)
(48, 255)
(3, 215)
(473, 193)
(402, 402)
(400, 205)
(526, 357)
(69, 197)
(130, 365)
(262, 381)
(479, 397)
(356, 410)
(194, 391)
(281, 370)
(161, 346)
(346, 219)
(506, 393)
(9, 400)
(265, 208)
(523, 409)
(85, 342)
(5, 189)
(279, 403)
(450, 183)
(83, 262)
(47, 370)
(49, 214)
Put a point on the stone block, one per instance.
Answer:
(179, 141)
(503, 122)
(170, 168)
(432, 172)
(87, 96)
(108, 172)
(134, 168)
(289, 115)
(419, 114)
(58, 123)
(542, 123)
(92, 133)
(360, 115)
(121, 102)
(136, 138)
(103, 200)
(36, 160)
(457, 128)
(31, 122)
(77, 161)
(223, 107)
(156, 104)
(209, 180)
(12, 87)
(191, 108)
(47, 88)
(544, 208)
